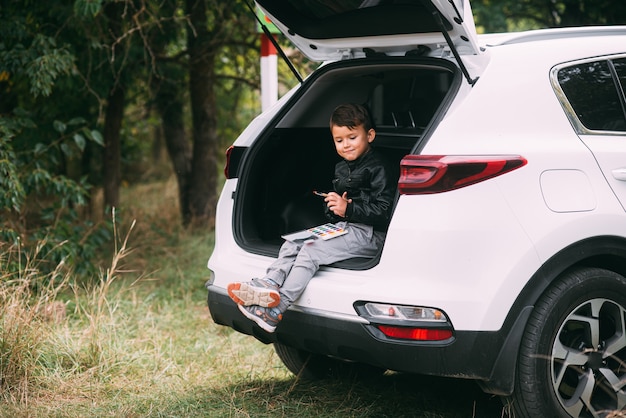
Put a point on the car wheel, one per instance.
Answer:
(572, 360)
(310, 366)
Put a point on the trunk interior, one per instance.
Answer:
(295, 155)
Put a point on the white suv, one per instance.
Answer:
(506, 253)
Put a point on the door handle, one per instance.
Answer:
(619, 173)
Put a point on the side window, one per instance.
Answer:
(593, 94)
(620, 69)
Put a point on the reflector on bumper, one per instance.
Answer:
(417, 334)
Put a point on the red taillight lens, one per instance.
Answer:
(234, 156)
(422, 174)
(416, 334)
(229, 152)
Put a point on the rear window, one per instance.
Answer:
(595, 91)
(323, 19)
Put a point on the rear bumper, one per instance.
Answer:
(469, 354)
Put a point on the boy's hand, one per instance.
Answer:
(337, 204)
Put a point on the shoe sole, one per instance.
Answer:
(246, 295)
(261, 323)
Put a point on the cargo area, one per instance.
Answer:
(295, 155)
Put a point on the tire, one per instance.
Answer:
(310, 366)
(572, 360)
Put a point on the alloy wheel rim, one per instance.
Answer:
(588, 359)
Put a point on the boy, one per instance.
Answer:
(360, 203)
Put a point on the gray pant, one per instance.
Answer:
(298, 262)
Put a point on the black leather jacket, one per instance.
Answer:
(368, 185)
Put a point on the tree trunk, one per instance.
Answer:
(111, 166)
(170, 109)
(157, 144)
(203, 178)
(112, 148)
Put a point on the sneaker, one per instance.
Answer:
(266, 318)
(261, 292)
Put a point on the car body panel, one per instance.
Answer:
(610, 152)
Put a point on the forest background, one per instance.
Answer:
(94, 94)
(114, 117)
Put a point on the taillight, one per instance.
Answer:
(234, 156)
(415, 334)
(423, 174)
(406, 322)
(229, 151)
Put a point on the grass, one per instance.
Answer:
(140, 343)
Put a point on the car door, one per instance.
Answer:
(596, 106)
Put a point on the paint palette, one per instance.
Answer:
(324, 232)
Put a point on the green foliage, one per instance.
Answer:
(46, 65)
(35, 58)
(12, 192)
(513, 15)
(45, 129)
(29, 179)
(87, 7)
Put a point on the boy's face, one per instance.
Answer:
(351, 143)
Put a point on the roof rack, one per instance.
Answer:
(555, 33)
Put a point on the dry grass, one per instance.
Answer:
(138, 336)
(28, 310)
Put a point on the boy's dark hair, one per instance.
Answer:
(351, 115)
